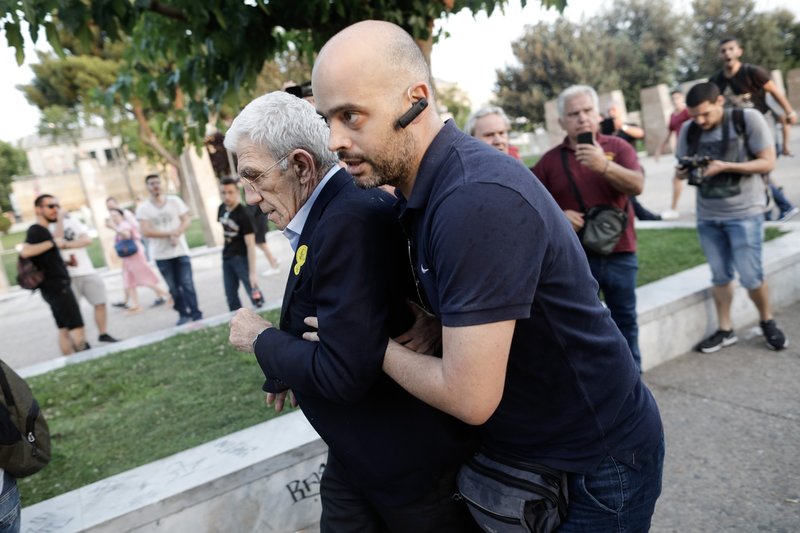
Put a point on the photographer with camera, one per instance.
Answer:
(723, 152)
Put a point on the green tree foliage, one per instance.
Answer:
(13, 162)
(638, 43)
(628, 46)
(645, 35)
(191, 58)
(767, 38)
(552, 57)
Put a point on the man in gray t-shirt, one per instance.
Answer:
(731, 199)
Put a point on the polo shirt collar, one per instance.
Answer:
(431, 162)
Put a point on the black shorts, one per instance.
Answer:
(63, 304)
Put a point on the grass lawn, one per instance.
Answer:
(122, 411)
(665, 252)
(131, 408)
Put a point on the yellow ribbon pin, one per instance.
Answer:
(300, 259)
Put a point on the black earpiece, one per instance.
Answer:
(412, 113)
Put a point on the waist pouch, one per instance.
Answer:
(603, 226)
(513, 496)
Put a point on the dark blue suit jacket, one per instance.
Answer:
(351, 270)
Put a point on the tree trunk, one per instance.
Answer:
(150, 139)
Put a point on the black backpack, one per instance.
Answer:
(737, 115)
(28, 274)
(24, 436)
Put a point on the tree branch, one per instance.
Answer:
(149, 138)
(168, 11)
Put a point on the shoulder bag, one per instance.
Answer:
(603, 225)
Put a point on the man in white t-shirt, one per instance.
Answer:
(164, 220)
(84, 279)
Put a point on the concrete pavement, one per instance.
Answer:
(732, 428)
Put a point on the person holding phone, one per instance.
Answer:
(604, 170)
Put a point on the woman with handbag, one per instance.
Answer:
(136, 272)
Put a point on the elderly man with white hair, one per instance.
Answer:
(490, 125)
(392, 459)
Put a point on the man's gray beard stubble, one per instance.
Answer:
(394, 171)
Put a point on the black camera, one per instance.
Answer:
(301, 91)
(694, 166)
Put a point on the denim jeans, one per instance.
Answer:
(177, 273)
(234, 270)
(9, 505)
(733, 244)
(616, 275)
(784, 205)
(615, 497)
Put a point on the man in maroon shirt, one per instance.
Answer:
(605, 172)
(679, 115)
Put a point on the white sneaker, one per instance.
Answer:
(271, 271)
(670, 214)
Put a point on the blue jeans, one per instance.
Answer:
(784, 205)
(177, 273)
(234, 270)
(9, 505)
(615, 497)
(616, 275)
(733, 244)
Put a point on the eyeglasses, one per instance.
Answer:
(252, 183)
(52, 206)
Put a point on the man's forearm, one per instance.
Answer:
(32, 250)
(421, 375)
(251, 254)
(82, 241)
(755, 166)
(623, 179)
(186, 221)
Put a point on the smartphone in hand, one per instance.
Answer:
(587, 137)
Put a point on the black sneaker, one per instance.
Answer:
(775, 338)
(159, 301)
(719, 339)
(105, 337)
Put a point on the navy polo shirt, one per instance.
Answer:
(489, 244)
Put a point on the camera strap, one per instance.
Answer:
(737, 115)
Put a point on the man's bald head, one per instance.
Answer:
(365, 79)
(374, 52)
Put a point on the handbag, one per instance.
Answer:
(509, 496)
(603, 225)
(28, 274)
(125, 247)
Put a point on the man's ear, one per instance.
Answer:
(721, 100)
(303, 165)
